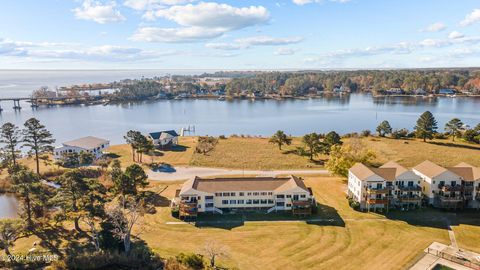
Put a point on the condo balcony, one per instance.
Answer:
(188, 209)
(450, 188)
(377, 201)
(468, 188)
(477, 196)
(450, 199)
(374, 190)
(302, 207)
(410, 199)
(410, 188)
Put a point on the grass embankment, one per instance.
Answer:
(412, 152)
(255, 154)
(354, 241)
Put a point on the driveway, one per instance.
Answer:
(183, 173)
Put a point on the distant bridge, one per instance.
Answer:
(34, 102)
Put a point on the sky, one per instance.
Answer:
(241, 35)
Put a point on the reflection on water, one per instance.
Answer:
(344, 114)
(8, 206)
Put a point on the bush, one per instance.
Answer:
(193, 261)
(366, 133)
(222, 137)
(440, 136)
(400, 133)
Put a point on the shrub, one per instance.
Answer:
(193, 261)
(222, 137)
(400, 133)
(366, 133)
(440, 136)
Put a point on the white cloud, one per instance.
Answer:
(434, 27)
(455, 35)
(98, 12)
(304, 2)
(284, 51)
(148, 4)
(471, 18)
(201, 21)
(184, 34)
(71, 51)
(244, 43)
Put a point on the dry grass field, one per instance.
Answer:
(411, 152)
(354, 240)
(253, 153)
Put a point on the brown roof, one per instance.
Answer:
(361, 171)
(392, 164)
(430, 169)
(466, 171)
(388, 174)
(212, 185)
(88, 142)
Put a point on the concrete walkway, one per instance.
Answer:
(183, 173)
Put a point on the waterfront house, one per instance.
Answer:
(89, 144)
(166, 138)
(381, 188)
(446, 91)
(221, 195)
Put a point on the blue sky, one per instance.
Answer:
(245, 34)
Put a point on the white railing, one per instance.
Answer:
(271, 209)
(217, 210)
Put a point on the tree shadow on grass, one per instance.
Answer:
(52, 237)
(153, 200)
(436, 218)
(175, 148)
(451, 144)
(112, 155)
(323, 215)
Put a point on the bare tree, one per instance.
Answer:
(90, 221)
(212, 250)
(124, 216)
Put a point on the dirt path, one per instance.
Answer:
(183, 173)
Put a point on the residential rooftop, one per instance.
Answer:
(88, 142)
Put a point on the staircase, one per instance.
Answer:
(216, 210)
(271, 209)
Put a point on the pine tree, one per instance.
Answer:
(384, 128)
(37, 138)
(10, 137)
(280, 138)
(426, 126)
(453, 127)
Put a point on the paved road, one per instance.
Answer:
(183, 173)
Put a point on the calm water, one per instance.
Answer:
(8, 206)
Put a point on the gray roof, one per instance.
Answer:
(88, 142)
(163, 134)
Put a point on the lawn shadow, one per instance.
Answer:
(153, 200)
(112, 155)
(323, 215)
(451, 144)
(175, 148)
(436, 218)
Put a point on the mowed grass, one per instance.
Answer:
(355, 241)
(180, 155)
(412, 152)
(468, 236)
(253, 153)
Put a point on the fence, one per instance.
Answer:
(453, 258)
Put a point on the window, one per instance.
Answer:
(226, 194)
(249, 194)
(302, 196)
(263, 201)
(233, 201)
(241, 194)
(289, 205)
(208, 205)
(410, 183)
(280, 204)
(241, 201)
(280, 196)
(256, 201)
(289, 196)
(232, 194)
(379, 185)
(270, 201)
(270, 193)
(255, 193)
(454, 183)
(218, 194)
(224, 201)
(208, 197)
(263, 193)
(249, 201)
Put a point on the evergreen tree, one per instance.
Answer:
(453, 127)
(384, 128)
(37, 138)
(132, 138)
(27, 187)
(332, 138)
(426, 126)
(280, 138)
(10, 137)
(313, 144)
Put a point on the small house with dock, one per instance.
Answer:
(164, 139)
